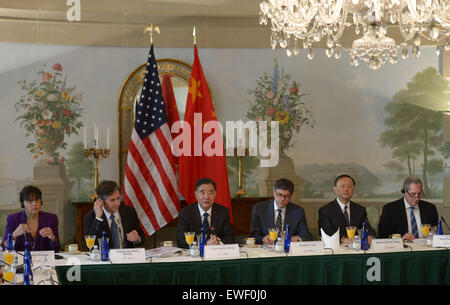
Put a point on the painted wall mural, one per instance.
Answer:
(370, 124)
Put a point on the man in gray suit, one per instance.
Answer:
(277, 213)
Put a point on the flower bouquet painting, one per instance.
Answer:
(50, 111)
(278, 98)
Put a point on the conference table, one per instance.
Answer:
(415, 265)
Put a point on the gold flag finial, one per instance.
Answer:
(195, 37)
(150, 28)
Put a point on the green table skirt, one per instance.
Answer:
(415, 268)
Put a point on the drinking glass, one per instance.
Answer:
(9, 256)
(425, 229)
(189, 236)
(273, 234)
(9, 274)
(351, 230)
(90, 241)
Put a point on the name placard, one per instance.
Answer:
(222, 251)
(127, 256)
(40, 258)
(306, 248)
(441, 241)
(386, 245)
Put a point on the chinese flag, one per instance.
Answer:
(203, 162)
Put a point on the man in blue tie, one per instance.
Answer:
(342, 212)
(206, 214)
(277, 213)
(118, 220)
(406, 215)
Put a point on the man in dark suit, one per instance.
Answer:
(342, 212)
(277, 213)
(118, 220)
(207, 214)
(405, 216)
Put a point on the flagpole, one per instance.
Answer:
(152, 29)
(195, 37)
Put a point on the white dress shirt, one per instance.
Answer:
(118, 223)
(416, 215)
(203, 212)
(343, 208)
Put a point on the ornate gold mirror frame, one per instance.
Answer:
(180, 72)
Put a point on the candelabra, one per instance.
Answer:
(97, 153)
(240, 191)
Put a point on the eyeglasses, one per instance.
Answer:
(281, 196)
(35, 202)
(415, 194)
(350, 187)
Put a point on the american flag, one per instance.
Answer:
(150, 184)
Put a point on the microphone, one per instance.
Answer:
(443, 220)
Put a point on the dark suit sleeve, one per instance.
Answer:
(183, 226)
(53, 224)
(134, 220)
(227, 232)
(92, 225)
(302, 227)
(326, 223)
(385, 224)
(255, 226)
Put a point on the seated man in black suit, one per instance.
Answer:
(405, 216)
(118, 220)
(342, 212)
(277, 213)
(207, 214)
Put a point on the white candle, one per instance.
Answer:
(96, 135)
(107, 139)
(85, 138)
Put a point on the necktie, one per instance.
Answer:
(413, 223)
(114, 233)
(205, 224)
(347, 220)
(278, 223)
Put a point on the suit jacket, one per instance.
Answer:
(190, 220)
(331, 218)
(41, 243)
(393, 218)
(263, 217)
(129, 220)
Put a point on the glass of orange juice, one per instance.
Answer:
(9, 256)
(425, 229)
(351, 230)
(90, 241)
(273, 234)
(9, 275)
(189, 237)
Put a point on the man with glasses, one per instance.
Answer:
(277, 213)
(405, 216)
(342, 212)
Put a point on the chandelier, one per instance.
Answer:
(301, 23)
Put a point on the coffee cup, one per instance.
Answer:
(166, 243)
(249, 241)
(73, 248)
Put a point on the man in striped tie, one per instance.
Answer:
(120, 221)
(277, 213)
(406, 215)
